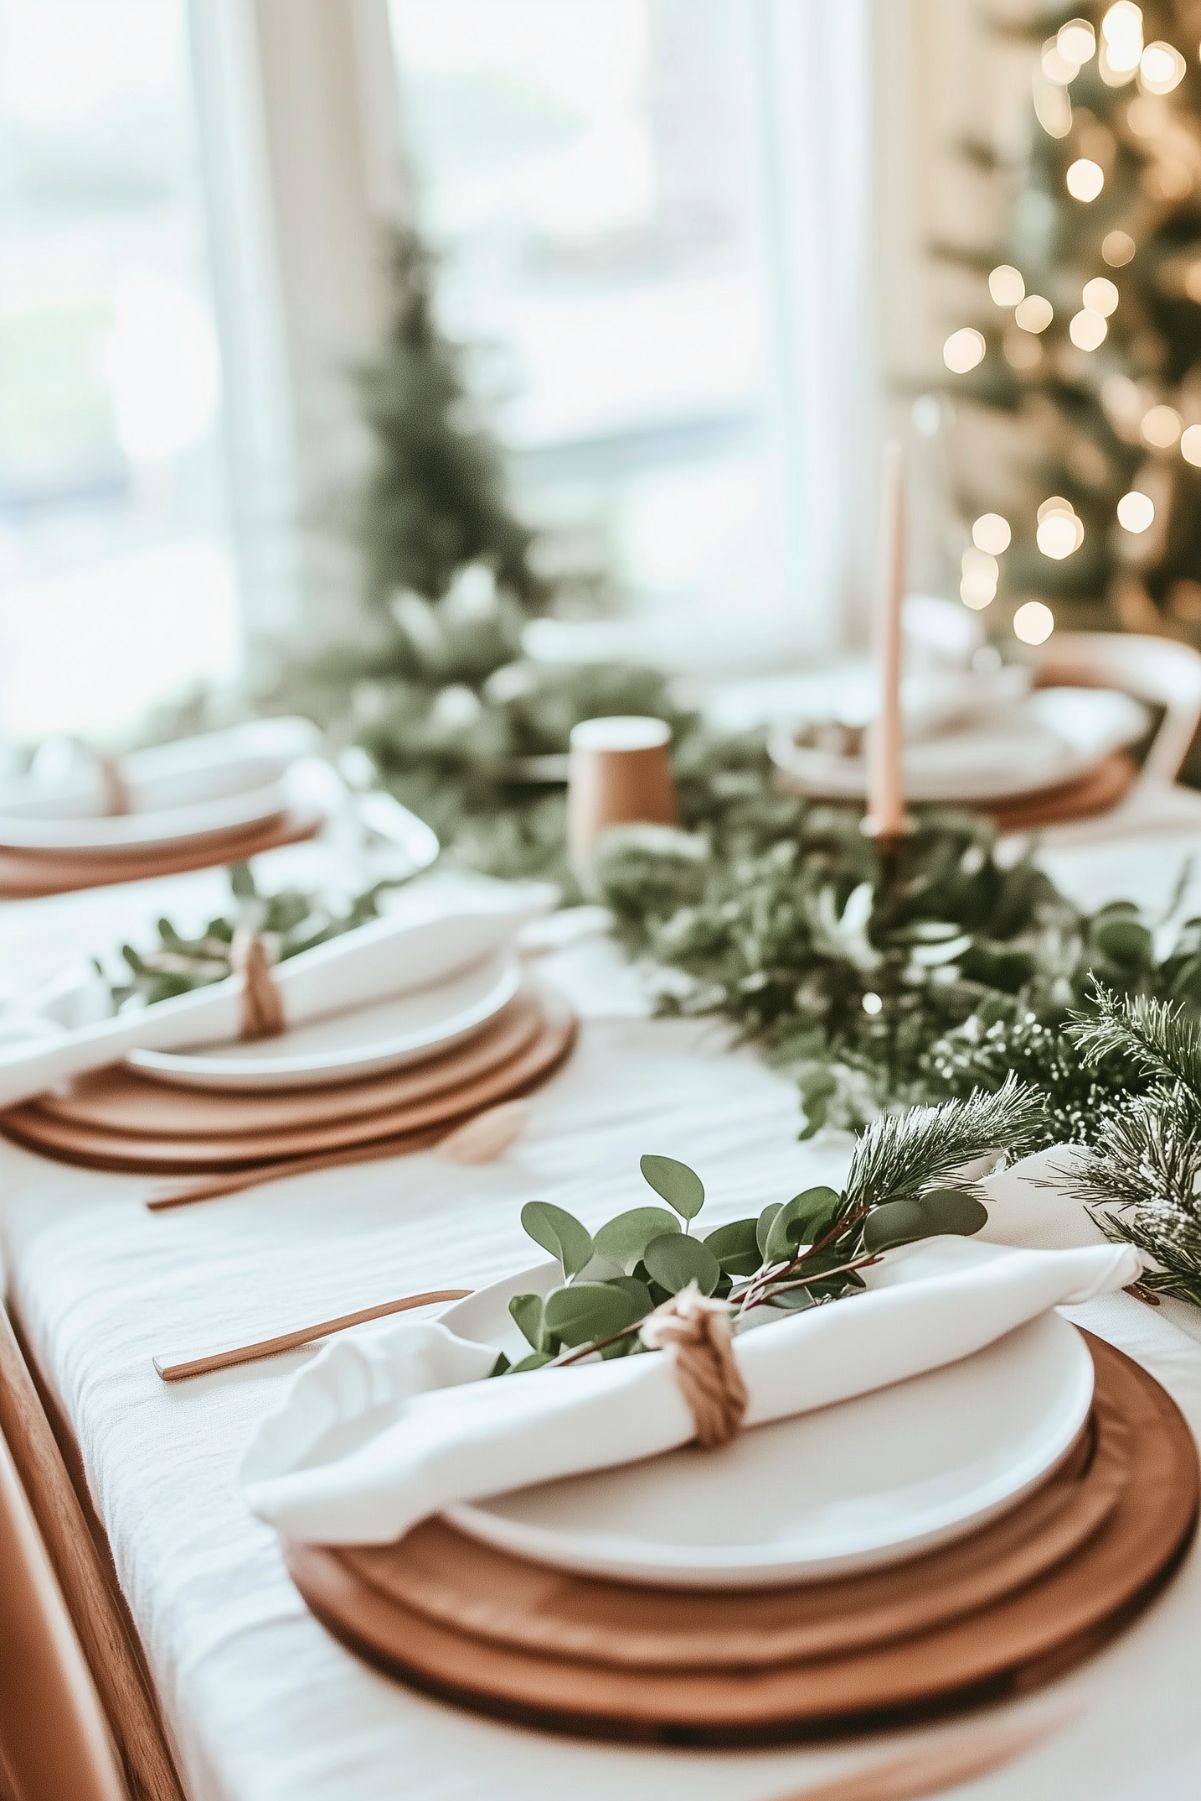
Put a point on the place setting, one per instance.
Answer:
(793, 1475)
(81, 819)
(299, 1030)
(982, 735)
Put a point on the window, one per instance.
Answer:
(116, 577)
(592, 175)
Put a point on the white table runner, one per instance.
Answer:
(263, 1704)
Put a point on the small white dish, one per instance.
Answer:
(347, 1047)
(870, 1482)
(1054, 737)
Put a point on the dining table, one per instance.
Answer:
(258, 1701)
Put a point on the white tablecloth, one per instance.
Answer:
(263, 1704)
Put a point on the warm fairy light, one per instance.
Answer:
(872, 1004)
(1054, 503)
(1117, 248)
(1161, 68)
(978, 583)
(963, 350)
(1087, 330)
(1058, 535)
(1123, 20)
(1033, 622)
(1034, 313)
(1084, 178)
(1161, 426)
(1190, 445)
(980, 564)
(1052, 109)
(1006, 286)
(1076, 41)
(992, 533)
(1122, 30)
(1136, 511)
(1056, 66)
(1100, 295)
(1116, 77)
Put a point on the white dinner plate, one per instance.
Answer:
(1055, 736)
(853, 1487)
(345, 1047)
(221, 783)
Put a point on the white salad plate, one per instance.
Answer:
(347, 1047)
(870, 1482)
(1053, 737)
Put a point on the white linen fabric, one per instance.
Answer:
(263, 1704)
(378, 1435)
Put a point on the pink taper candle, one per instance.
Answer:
(885, 746)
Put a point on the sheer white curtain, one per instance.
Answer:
(311, 113)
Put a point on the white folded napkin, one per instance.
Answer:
(383, 1431)
(66, 782)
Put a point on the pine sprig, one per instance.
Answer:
(1154, 1036)
(904, 1155)
(1140, 1175)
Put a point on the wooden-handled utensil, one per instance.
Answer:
(178, 1369)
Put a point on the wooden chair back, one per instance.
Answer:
(54, 1741)
(1161, 671)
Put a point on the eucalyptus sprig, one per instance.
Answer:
(290, 921)
(910, 1178)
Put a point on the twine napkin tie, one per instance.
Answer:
(694, 1333)
(262, 1006)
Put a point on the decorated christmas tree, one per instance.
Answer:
(431, 675)
(435, 500)
(1088, 334)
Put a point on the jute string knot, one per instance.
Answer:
(262, 1006)
(694, 1332)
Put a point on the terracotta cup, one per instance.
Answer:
(620, 774)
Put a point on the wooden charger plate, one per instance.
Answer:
(122, 1101)
(26, 875)
(992, 1615)
(206, 1153)
(1102, 788)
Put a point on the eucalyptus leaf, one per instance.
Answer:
(676, 1260)
(625, 1238)
(764, 1224)
(736, 1247)
(679, 1186)
(950, 1210)
(894, 1223)
(535, 1361)
(558, 1232)
(527, 1312)
(587, 1310)
(800, 1221)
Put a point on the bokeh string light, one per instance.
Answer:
(1135, 152)
(1033, 622)
(1084, 179)
(1161, 426)
(963, 350)
(1034, 313)
(1006, 285)
(1136, 511)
